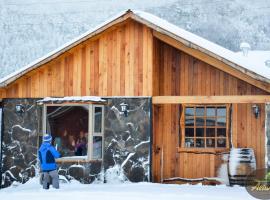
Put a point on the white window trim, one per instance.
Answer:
(91, 134)
(102, 127)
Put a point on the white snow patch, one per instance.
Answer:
(141, 143)
(223, 174)
(115, 175)
(73, 98)
(125, 161)
(132, 191)
(22, 128)
(235, 158)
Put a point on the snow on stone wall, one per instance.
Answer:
(127, 139)
(126, 145)
(20, 138)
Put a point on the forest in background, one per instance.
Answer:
(30, 29)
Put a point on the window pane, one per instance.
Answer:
(200, 111)
(200, 122)
(189, 121)
(210, 121)
(199, 132)
(210, 132)
(98, 119)
(200, 143)
(221, 132)
(189, 142)
(97, 147)
(221, 142)
(211, 112)
(189, 111)
(221, 111)
(210, 142)
(221, 121)
(68, 126)
(189, 132)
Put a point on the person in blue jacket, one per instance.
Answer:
(47, 154)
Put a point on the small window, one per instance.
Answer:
(77, 130)
(205, 126)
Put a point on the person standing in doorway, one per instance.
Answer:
(47, 155)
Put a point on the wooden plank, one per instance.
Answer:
(234, 122)
(62, 78)
(131, 59)
(262, 136)
(97, 64)
(149, 62)
(140, 60)
(83, 71)
(101, 66)
(123, 60)
(127, 60)
(145, 62)
(212, 165)
(210, 99)
(75, 75)
(117, 63)
(110, 60)
(250, 118)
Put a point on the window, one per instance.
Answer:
(77, 130)
(205, 126)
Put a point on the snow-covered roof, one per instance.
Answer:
(71, 99)
(256, 58)
(254, 69)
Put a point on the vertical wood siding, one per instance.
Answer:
(177, 73)
(116, 63)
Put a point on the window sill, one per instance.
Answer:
(81, 159)
(202, 150)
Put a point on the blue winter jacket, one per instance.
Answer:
(47, 154)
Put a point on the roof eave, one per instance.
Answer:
(194, 46)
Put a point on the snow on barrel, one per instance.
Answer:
(241, 163)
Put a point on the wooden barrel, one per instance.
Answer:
(241, 163)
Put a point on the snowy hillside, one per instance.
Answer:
(32, 28)
(129, 191)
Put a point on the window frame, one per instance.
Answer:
(91, 134)
(205, 148)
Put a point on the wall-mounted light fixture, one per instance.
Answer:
(19, 108)
(124, 108)
(256, 110)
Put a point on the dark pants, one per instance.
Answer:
(50, 177)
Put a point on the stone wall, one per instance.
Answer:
(126, 144)
(127, 138)
(20, 138)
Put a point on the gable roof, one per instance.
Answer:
(253, 69)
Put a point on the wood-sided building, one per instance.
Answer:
(170, 104)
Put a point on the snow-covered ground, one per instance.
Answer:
(128, 191)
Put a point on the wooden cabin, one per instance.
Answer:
(194, 102)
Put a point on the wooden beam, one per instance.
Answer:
(213, 60)
(210, 99)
